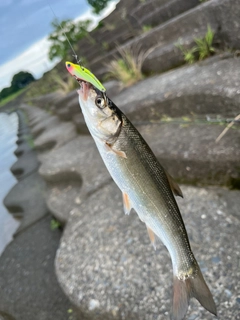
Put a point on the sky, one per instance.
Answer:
(24, 27)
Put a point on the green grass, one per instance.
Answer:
(202, 50)
(188, 54)
(11, 97)
(204, 45)
(55, 224)
(128, 68)
(146, 28)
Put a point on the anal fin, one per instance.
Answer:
(126, 203)
(151, 236)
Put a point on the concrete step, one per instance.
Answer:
(108, 268)
(206, 89)
(156, 12)
(50, 133)
(186, 26)
(28, 285)
(191, 155)
(73, 172)
(127, 21)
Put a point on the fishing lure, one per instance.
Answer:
(83, 74)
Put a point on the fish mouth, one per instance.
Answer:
(84, 88)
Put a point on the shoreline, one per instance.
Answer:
(27, 264)
(8, 145)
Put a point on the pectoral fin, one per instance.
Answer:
(120, 153)
(126, 203)
(151, 236)
(174, 186)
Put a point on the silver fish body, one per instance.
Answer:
(143, 179)
(146, 188)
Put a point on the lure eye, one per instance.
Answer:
(99, 102)
(69, 65)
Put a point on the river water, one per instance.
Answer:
(8, 138)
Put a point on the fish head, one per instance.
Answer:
(102, 117)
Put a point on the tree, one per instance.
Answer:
(6, 92)
(21, 80)
(73, 31)
(98, 5)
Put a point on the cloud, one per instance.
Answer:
(35, 58)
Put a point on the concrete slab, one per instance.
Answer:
(109, 270)
(185, 26)
(80, 124)
(73, 172)
(34, 114)
(28, 285)
(26, 200)
(191, 155)
(55, 136)
(46, 123)
(204, 90)
(44, 101)
(26, 164)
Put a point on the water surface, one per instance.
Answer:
(8, 138)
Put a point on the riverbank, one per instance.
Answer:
(8, 138)
(28, 285)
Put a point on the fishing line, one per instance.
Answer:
(60, 25)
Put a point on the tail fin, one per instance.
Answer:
(183, 290)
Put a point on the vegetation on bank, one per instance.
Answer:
(202, 49)
(128, 68)
(19, 81)
(65, 32)
(98, 5)
(11, 97)
(59, 48)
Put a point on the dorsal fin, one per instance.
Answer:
(174, 186)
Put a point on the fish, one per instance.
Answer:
(148, 189)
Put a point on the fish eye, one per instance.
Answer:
(69, 65)
(99, 102)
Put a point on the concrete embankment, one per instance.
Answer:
(105, 263)
(8, 138)
(28, 285)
